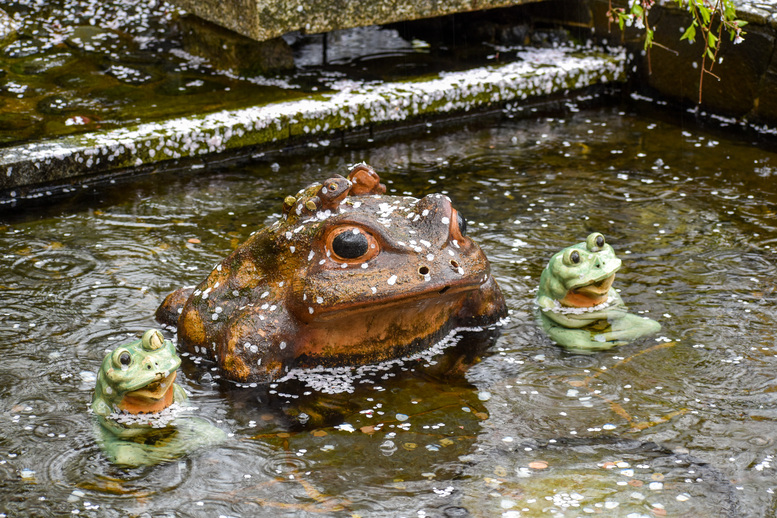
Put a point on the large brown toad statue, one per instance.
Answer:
(348, 276)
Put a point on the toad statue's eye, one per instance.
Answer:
(571, 257)
(350, 244)
(595, 242)
(121, 359)
(462, 223)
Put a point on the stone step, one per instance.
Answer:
(30, 169)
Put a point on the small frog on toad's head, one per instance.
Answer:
(579, 308)
(136, 397)
(348, 276)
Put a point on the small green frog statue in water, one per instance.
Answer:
(578, 307)
(137, 404)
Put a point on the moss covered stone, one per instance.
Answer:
(537, 73)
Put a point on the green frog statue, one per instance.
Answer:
(141, 410)
(578, 307)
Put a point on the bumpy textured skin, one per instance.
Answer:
(578, 307)
(285, 298)
(143, 369)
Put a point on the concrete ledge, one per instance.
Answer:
(266, 19)
(538, 73)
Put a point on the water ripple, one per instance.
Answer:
(281, 464)
(54, 427)
(57, 262)
(84, 466)
(8, 380)
(246, 463)
(196, 508)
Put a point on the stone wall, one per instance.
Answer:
(745, 89)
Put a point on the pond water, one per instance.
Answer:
(679, 424)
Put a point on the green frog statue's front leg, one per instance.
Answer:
(140, 410)
(578, 307)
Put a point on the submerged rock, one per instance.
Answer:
(579, 476)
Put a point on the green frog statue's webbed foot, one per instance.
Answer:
(579, 340)
(156, 446)
(601, 335)
(628, 328)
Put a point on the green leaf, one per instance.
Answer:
(648, 37)
(712, 40)
(705, 14)
(690, 33)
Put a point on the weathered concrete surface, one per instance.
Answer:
(540, 72)
(266, 19)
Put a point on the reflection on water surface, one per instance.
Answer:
(676, 425)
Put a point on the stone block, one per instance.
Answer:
(765, 104)
(229, 50)
(30, 169)
(266, 19)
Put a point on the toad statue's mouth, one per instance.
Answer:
(589, 295)
(154, 397)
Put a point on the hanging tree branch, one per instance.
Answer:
(709, 18)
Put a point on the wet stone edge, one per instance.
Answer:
(27, 167)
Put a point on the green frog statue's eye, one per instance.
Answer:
(121, 358)
(595, 242)
(571, 257)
